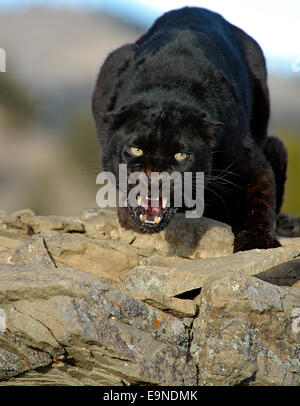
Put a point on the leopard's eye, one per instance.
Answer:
(136, 151)
(181, 156)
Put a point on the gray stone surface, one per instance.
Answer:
(187, 275)
(84, 302)
(247, 331)
(288, 225)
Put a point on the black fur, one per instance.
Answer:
(195, 83)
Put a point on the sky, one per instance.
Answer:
(275, 24)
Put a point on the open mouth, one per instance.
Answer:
(153, 209)
(151, 215)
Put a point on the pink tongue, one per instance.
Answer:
(151, 207)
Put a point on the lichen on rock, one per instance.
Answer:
(85, 302)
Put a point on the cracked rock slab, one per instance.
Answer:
(69, 309)
(245, 332)
(85, 302)
(188, 275)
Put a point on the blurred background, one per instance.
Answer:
(49, 157)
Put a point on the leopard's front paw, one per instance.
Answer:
(251, 239)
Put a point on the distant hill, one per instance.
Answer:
(49, 48)
(57, 53)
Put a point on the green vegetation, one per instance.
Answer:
(80, 143)
(17, 105)
(291, 203)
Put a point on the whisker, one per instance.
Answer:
(217, 179)
(220, 197)
(231, 163)
(214, 152)
(226, 172)
(223, 189)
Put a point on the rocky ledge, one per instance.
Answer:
(84, 302)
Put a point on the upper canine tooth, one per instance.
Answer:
(139, 199)
(157, 220)
(164, 202)
(143, 217)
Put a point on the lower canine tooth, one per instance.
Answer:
(157, 220)
(143, 217)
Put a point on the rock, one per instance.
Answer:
(100, 223)
(251, 262)
(178, 307)
(16, 356)
(90, 255)
(23, 212)
(10, 243)
(188, 275)
(296, 285)
(290, 242)
(69, 308)
(167, 261)
(288, 225)
(246, 332)
(190, 238)
(53, 223)
(284, 274)
(13, 224)
(85, 302)
(52, 376)
(10, 240)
